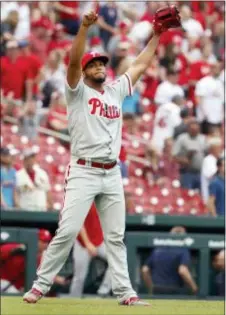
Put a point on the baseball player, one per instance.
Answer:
(95, 123)
(89, 243)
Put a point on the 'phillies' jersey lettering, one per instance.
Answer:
(103, 110)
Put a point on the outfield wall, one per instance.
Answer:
(204, 238)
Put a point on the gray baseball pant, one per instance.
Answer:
(82, 261)
(84, 185)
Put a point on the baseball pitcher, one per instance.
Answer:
(95, 123)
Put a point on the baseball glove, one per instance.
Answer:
(165, 18)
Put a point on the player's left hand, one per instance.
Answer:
(166, 18)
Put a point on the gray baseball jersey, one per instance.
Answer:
(95, 118)
(95, 123)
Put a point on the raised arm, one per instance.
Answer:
(74, 70)
(143, 61)
(165, 18)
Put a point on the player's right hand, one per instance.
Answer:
(92, 250)
(89, 19)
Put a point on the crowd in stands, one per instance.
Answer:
(173, 130)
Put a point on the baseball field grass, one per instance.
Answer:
(47, 306)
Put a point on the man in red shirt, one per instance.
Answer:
(40, 37)
(33, 62)
(89, 244)
(13, 262)
(15, 74)
(59, 39)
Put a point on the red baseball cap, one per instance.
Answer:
(88, 57)
(44, 235)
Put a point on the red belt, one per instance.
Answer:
(105, 166)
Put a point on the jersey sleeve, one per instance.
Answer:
(123, 86)
(73, 94)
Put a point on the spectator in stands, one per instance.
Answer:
(40, 37)
(168, 88)
(107, 21)
(210, 99)
(169, 168)
(167, 269)
(33, 62)
(151, 80)
(129, 124)
(209, 166)
(191, 50)
(9, 198)
(24, 25)
(16, 77)
(186, 117)
(152, 172)
(52, 77)
(174, 58)
(216, 201)
(69, 15)
(89, 244)
(13, 263)
(122, 57)
(207, 52)
(28, 120)
(219, 265)
(189, 151)
(22, 9)
(124, 28)
(8, 26)
(57, 116)
(33, 185)
(59, 39)
(167, 117)
(190, 25)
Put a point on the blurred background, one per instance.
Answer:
(173, 151)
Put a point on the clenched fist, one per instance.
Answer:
(89, 19)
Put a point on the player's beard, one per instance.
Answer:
(99, 80)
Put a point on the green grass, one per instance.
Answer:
(52, 306)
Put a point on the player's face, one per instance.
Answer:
(95, 71)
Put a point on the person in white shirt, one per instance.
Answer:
(168, 89)
(53, 73)
(192, 27)
(32, 184)
(209, 166)
(209, 94)
(167, 118)
(22, 30)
